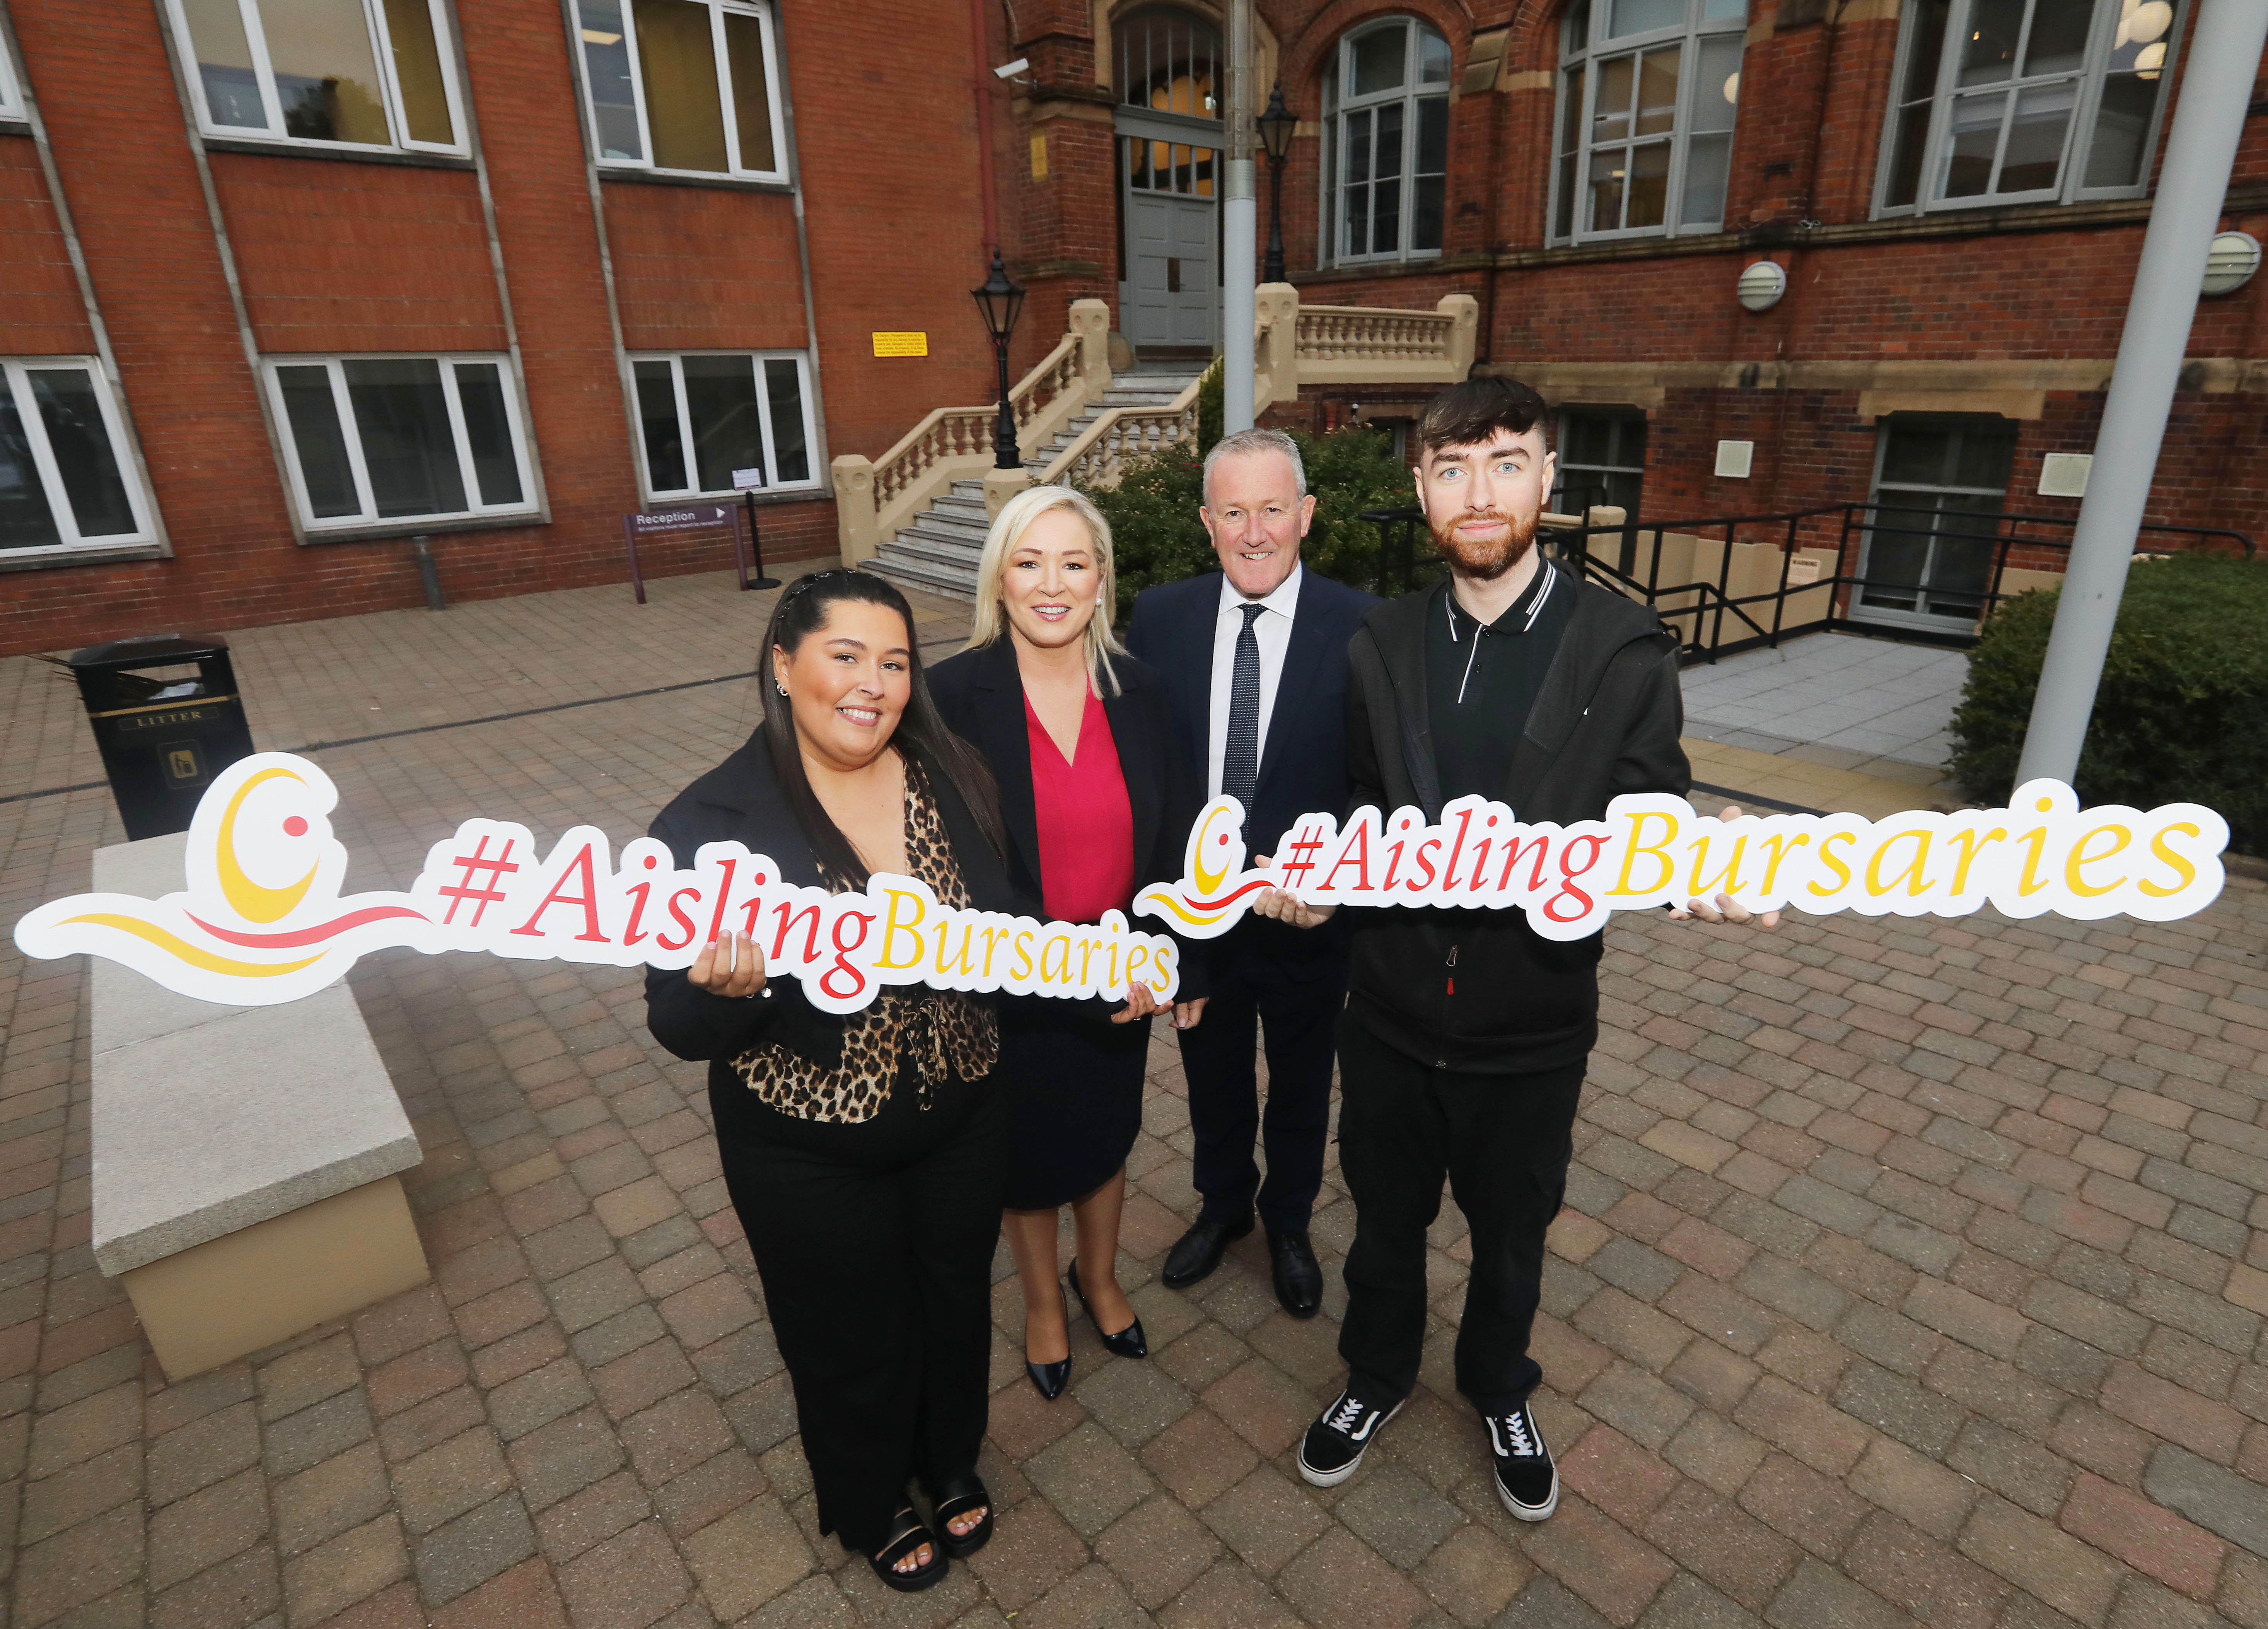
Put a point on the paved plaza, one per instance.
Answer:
(1912, 1271)
(1844, 699)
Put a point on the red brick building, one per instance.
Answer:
(286, 283)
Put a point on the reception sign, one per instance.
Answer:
(262, 918)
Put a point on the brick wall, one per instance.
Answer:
(337, 255)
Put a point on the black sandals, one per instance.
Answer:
(907, 1535)
(955, 1498)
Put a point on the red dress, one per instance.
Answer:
(1074, 1078)
(1087, 826)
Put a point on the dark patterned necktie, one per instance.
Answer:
(1240, 763)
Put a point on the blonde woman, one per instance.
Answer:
(1097, 803)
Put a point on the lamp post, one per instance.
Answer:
(1001, 302)
(1276, 126)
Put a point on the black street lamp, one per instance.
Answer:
(1276, 126)
(1002, 302)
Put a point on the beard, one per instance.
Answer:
(1486, 560)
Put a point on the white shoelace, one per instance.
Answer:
(1344, 1417)
(1516, 1427)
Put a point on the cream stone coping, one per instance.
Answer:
(209, 1119)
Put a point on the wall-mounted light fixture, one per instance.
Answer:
(1761, 286)
(2231, 261)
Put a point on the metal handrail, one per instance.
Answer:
(1713, 600)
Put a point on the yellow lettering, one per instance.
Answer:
(1971, 843)
(893, 925)
(961, 965)
(2180, 865)
(1062, 973)
(1022, 969)
(2077, 883)
(1827, 854)
(1136, 955)
(1660, 851)
(993, 936)
(1162, 960)
(2029, 883)
(1086, 958)
(1912, 872)
(1727, 880)
(1778, 843)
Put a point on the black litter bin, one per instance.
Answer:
(163, 739)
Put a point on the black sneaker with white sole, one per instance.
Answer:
(1336, 1443)
(1526, 1478)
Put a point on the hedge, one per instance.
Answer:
(2183, 711)
(1156, 538)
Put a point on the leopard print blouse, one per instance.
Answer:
(939, 1032)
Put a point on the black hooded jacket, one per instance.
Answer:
(1480, 991)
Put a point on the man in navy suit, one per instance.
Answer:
(1255, 665)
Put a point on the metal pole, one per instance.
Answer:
(1004, 455)
(1273, 271)
(2208, 119)
(1239, 230)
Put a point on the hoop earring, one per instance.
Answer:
(782, 688)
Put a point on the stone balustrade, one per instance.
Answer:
(1292, 347)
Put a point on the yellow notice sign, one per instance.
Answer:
(902, 344)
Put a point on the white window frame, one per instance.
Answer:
(2077, 134)
(369, 516)
(756, 359)
(11, 98)
(1601, 49)
(1338, 105)
(12, 371)
(762, 13)
(381, 41)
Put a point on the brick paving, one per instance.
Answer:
(1912, 1272)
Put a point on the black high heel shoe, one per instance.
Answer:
(1052, 1378)
(1128, 1342)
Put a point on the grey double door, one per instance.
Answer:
(1168, 190)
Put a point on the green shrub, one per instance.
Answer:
(2182, 715)
(1157, 538)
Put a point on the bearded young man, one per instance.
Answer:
(1465, 1036)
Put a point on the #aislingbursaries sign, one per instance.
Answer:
(262, 916)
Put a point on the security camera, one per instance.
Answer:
(1012, 69)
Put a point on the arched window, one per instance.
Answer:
(1385, 118)
(2026, 101)
(1647, 89)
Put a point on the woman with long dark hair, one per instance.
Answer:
(1097, 802)
(865, 1153)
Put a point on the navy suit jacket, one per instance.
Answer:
(1302, 761)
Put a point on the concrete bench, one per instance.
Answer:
(245, 1159)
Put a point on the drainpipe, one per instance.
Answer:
(2208, 120)
(980, 77)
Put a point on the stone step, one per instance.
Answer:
(924, 542)
(929, 577)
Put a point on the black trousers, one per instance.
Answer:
(1224, 1115)
(1503, 1142)
(874, 1245)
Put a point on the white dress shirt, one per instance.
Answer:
(1271, 629)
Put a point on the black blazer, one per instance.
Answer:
(1303, 767)
(741, 799)
(980, 695)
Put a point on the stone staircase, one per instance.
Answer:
(938, 552)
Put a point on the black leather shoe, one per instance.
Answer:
(1052, 1378)
(1299, 1277)
(1198, 1251)
(1128, 1343)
